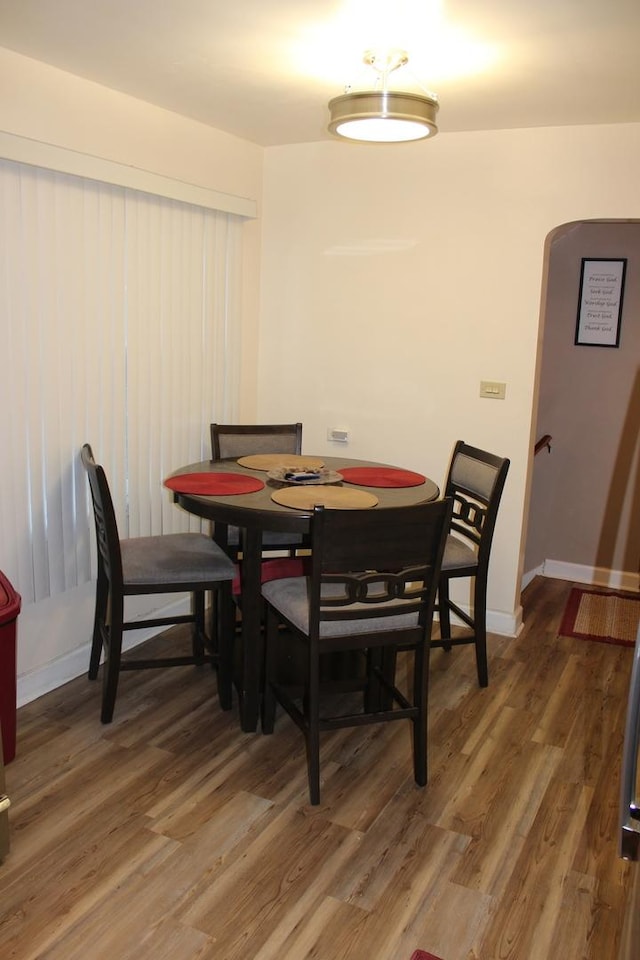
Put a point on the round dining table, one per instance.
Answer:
(255, 512)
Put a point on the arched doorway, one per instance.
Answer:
(584, 508)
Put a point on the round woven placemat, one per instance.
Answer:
(271, 461)
(335, 498)
(213, 484)
(382, 477)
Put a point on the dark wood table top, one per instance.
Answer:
(259, 510)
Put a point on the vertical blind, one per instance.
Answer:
(120, 325)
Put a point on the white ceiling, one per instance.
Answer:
(265, 69)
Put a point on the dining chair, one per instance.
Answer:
(371, 589)
(166, 563)
(232, 441)
(475, 483)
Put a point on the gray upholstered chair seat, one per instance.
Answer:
(174, 558)
(458, 554)
(290, 596)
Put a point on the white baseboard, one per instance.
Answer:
(503, 624)
(598, 576)
(57, 672)
(531, 575)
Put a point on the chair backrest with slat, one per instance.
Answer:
(376, 563)
(108, 540)
(475, 482)
(240, 440)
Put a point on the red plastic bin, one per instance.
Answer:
(9, 610)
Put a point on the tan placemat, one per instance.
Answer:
(336, 498)
(271, 461)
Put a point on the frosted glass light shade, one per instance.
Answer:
(376, 116)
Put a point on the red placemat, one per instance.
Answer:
(381, 477)
(213, 484)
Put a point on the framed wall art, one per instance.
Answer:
(600, 302)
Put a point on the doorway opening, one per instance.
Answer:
(584, 505)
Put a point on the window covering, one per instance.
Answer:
(120, 324)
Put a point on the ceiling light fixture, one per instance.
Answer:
(383, 116)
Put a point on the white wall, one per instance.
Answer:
(395, 278)
(47, 104)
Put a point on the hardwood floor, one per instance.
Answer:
(171, 834)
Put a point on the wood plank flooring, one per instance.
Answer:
(171, 834)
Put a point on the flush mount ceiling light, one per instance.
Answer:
(381, 115)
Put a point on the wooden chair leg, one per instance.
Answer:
(313, 731)
(370, 690)
(99, 617)
(270, 672)
(480, 622)
(217, 616)
(224, 645)
(387, 665)
(113, 654)
(420, 681)
(198, 635)
(444, 613)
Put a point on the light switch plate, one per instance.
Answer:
(493, 390)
